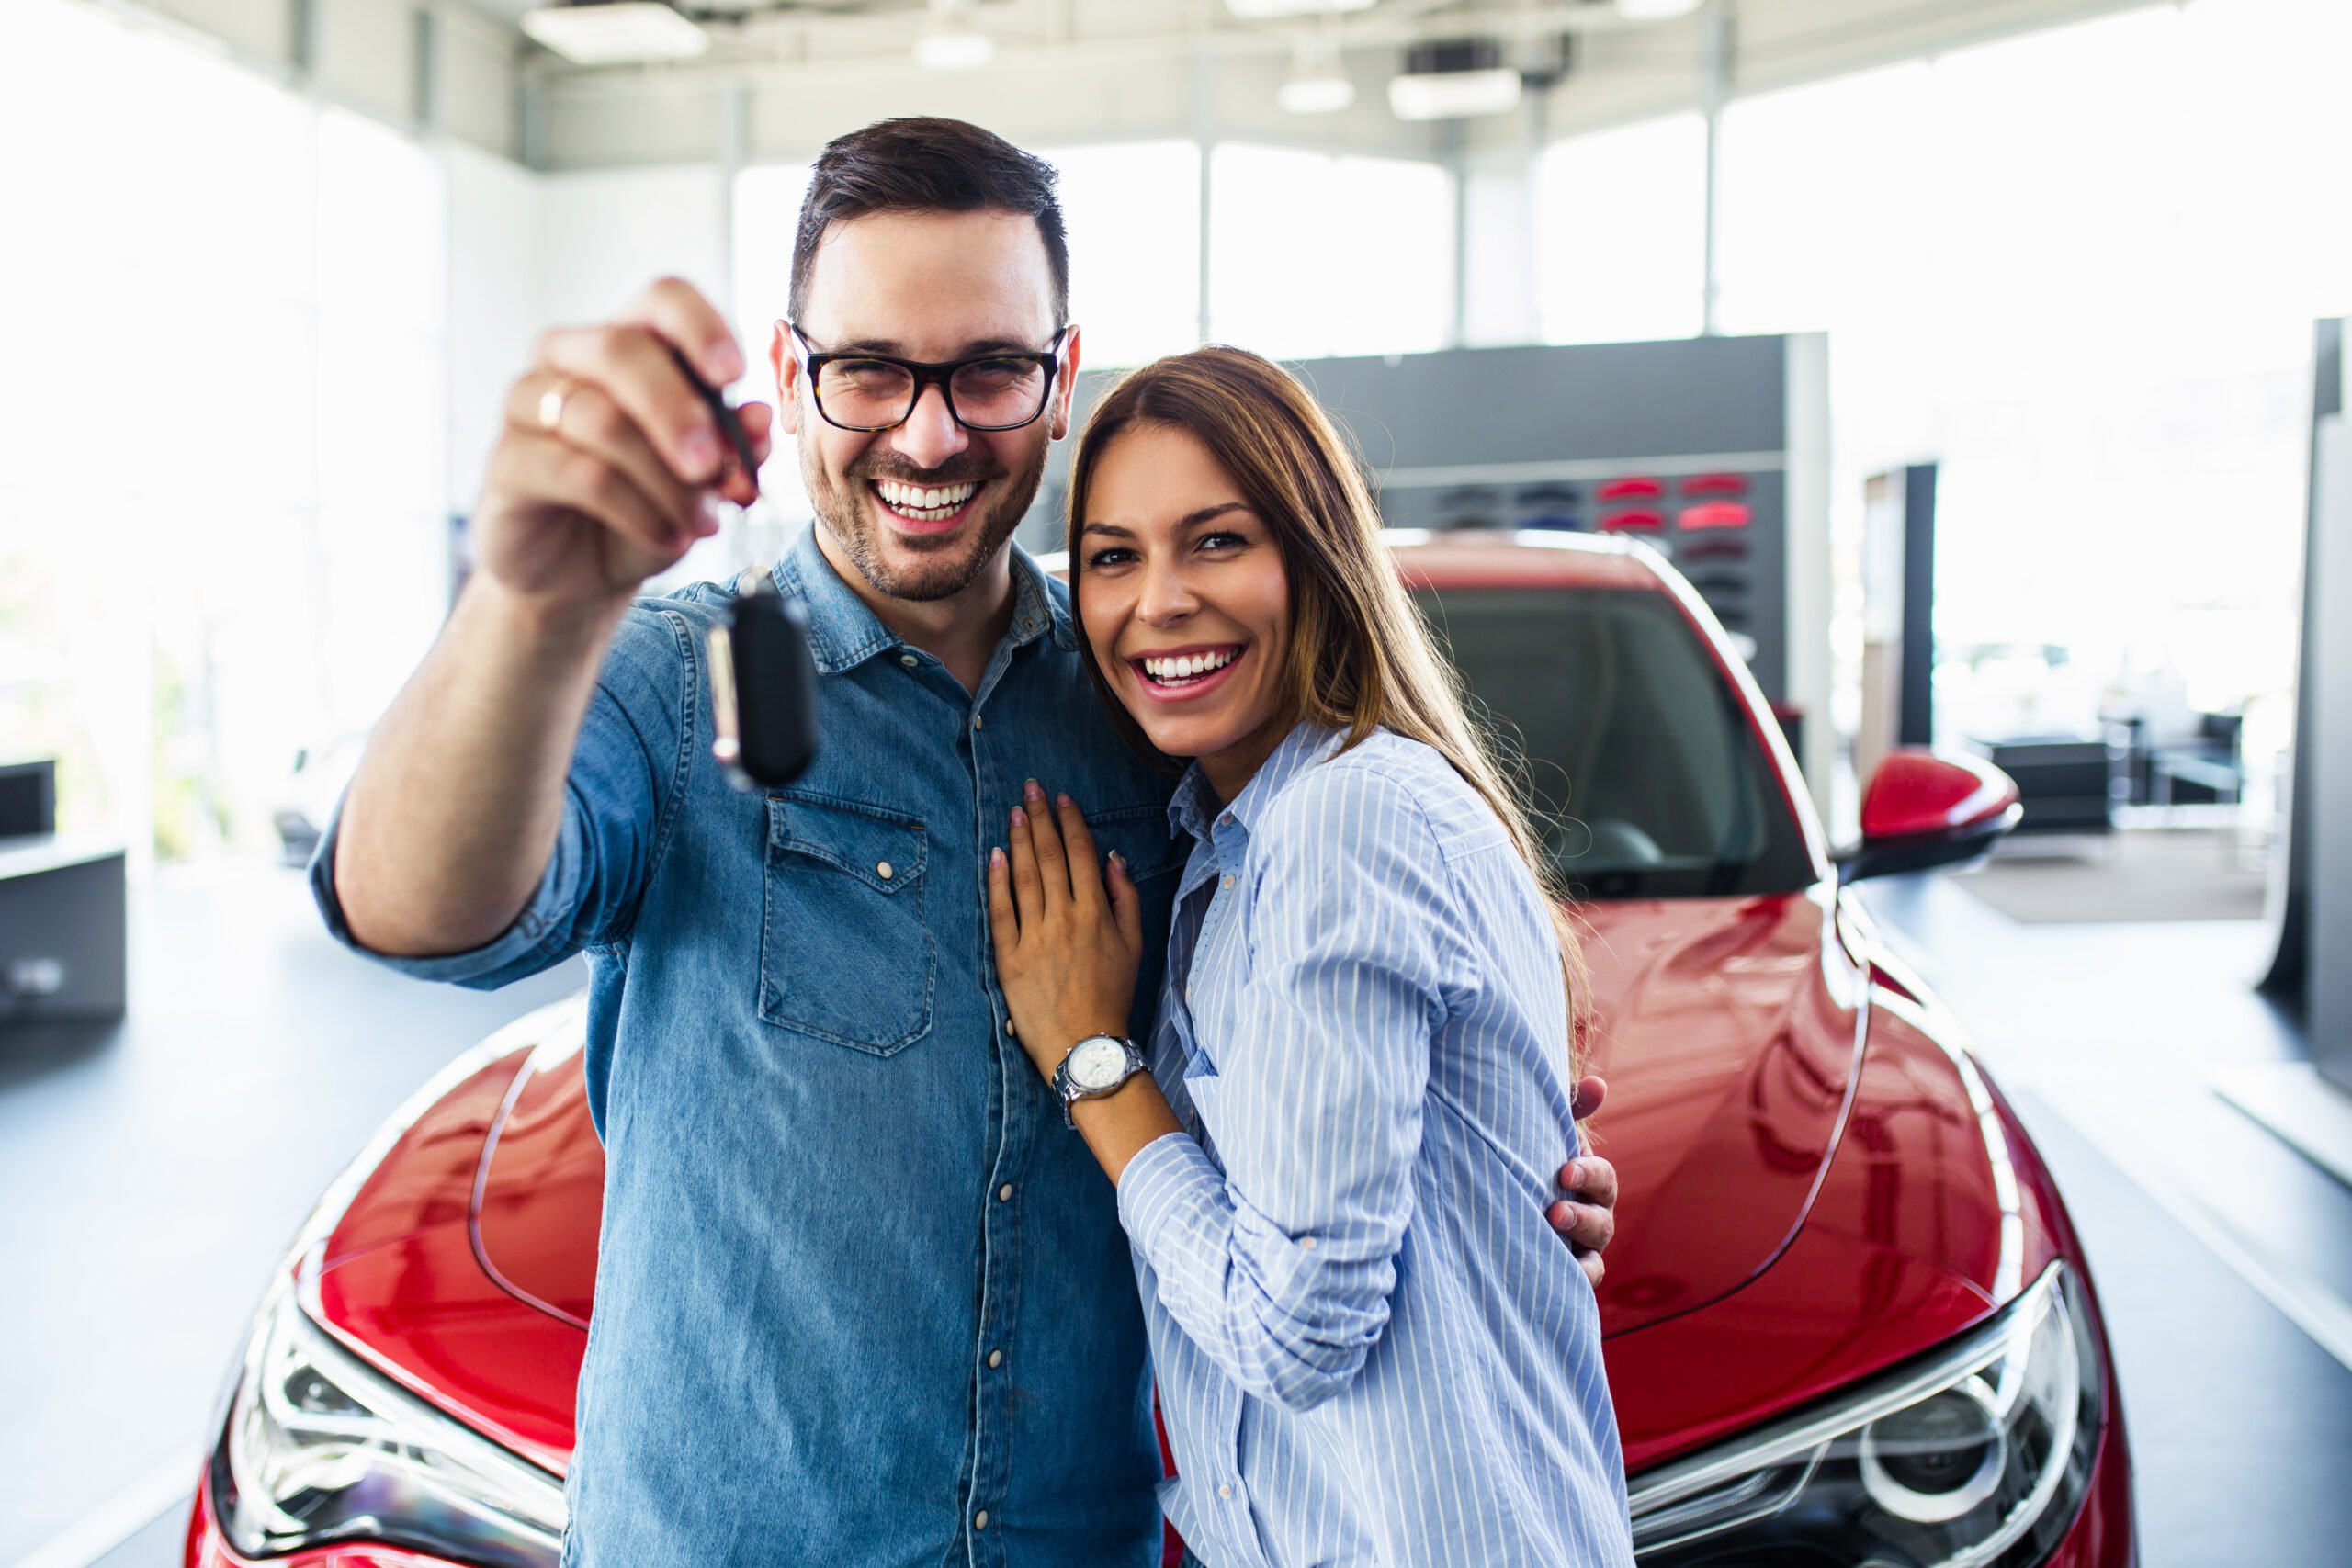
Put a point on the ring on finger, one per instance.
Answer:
(552, 403)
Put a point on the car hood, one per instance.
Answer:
(1728, 1030)
(1786, 1223)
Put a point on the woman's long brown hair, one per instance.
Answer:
(1360, 655)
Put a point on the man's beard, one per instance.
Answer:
(952, 563)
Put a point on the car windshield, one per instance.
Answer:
(1647, 777)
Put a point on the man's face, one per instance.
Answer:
(931, 287)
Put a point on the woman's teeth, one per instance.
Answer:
(1188, 667)
(921, 502)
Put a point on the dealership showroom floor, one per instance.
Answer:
(1879, 471)
(169, 1160)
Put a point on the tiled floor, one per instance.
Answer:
(2106, 1036)
(151, 1175)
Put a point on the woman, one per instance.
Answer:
(1370, 1347)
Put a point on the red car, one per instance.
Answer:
(1848, 1320)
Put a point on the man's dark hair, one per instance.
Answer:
(928, 165)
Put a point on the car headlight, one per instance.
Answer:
(1976, 1456)
(319, 1447)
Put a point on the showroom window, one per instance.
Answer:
(232, 427)
(1312, 254)
(1133, 210)
(1621, 232)
(766, 209)
(2079, 267)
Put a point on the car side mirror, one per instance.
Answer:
(1929, 808)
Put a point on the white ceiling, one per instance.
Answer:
(800, 29)
(1100, 70)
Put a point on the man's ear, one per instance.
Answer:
(1068, 385)
(788, 380)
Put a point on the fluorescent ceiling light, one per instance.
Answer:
(1454, 94)
(955, 47)
(1274, 10)
(614, 32)
(1654, 10)
(949, 42)
(1317, 92)
(1315, 85)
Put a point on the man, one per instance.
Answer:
(860, 1297)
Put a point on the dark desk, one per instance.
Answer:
(62, 929)
(2068, 783)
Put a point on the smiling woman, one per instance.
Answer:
(1369, 997)
(1188, 615)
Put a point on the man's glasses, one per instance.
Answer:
(877, 391)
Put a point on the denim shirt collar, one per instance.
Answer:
(844, 632)
(1193, 809)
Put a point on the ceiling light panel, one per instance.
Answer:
(1454, 94)
(619, 32)
(1282, 10)
(1326, 93)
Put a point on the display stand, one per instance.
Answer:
(62, 918)
(2310, 1105)
(1713, 451)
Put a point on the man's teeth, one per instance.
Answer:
(921, 501)
(1189, 666)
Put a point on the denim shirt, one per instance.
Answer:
(861, 1298)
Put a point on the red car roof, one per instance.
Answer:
(1529, 560)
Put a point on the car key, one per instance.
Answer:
(763, 680)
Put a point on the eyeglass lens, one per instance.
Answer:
(987, 394)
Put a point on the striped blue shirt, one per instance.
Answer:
(1371, 1346)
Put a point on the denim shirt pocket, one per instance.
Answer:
(844, 954)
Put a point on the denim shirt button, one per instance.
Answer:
(882, 869)
(908, 659)
(976, 721)
(980, 1520)
(1004, 1193)
(996, 1359)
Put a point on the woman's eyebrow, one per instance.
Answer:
(1190, 519)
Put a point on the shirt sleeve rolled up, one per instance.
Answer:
(1281, 1266)
(620, 793)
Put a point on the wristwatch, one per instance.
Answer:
(1093, 1067)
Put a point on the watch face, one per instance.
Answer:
(1097, 1063)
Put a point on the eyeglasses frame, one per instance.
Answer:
(927, 372)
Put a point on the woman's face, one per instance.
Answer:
(1182, 598)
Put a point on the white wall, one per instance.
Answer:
(419, 66)
(1498, 283)
(494, 309)
(605, 234)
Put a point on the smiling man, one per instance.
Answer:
(861, 1298)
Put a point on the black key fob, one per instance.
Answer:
(763, 690)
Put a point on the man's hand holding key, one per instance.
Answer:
(610, 462)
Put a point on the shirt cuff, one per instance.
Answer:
(538, 936)
(1167, 1180)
